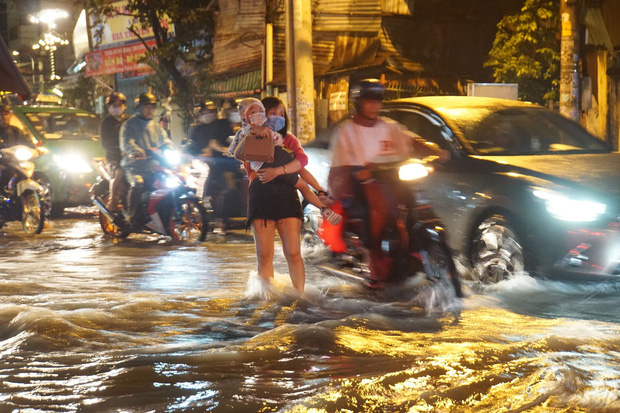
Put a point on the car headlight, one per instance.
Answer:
(173, 182)
(73, 163)
(567, 209)
(173, 157)
(411, 171)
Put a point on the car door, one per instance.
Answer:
(447, 187)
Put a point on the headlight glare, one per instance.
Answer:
(73, 163)
(173, 182)
(567, 209)
(172, 156)
(411, 171)
(23, 154)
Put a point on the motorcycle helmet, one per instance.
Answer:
(116, 96)
(147, 99)
(368, 89)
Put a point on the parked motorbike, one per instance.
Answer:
(413, 241)
(21, 199)
(171, 206)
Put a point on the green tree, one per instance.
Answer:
(526, 51)
(190, 45)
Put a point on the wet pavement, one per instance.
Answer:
(147, 324)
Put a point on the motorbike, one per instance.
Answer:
(171, 206)
(412, 236)
(21, 199)
(227, 200)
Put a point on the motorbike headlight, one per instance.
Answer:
(567, 209)
(412, 171)
(172, 156)
(23, 154)
(173, 182)
(73, 163)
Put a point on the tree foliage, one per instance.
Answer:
(191, 44)
(526, 51)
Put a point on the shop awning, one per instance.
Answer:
(597, 31)
(11, 79)
(246, 84)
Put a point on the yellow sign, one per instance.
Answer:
(114, 30)
(567, 27)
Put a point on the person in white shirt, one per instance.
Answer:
(363, 141)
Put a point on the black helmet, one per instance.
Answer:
(368, 89)
(116, 96)
(147, 99)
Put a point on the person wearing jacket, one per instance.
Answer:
(110, 131)
(140, 136)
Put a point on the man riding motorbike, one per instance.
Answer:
(363, 142)
(110, 131)
(210, 139)
(10, 135)
(141, 136)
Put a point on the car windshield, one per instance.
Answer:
(522, 131)
(64, 125)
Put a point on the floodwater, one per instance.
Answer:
(90, 324)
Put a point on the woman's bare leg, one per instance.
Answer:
(264, 232)
(289, 230)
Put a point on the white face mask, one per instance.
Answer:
(117, 111)
(206, 118)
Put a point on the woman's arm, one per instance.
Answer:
(299, 162)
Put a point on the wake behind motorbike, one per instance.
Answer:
(171, 207)
(21, 199)
(408, 241)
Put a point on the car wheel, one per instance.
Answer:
(497, 253)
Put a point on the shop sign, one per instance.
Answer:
(118, 60)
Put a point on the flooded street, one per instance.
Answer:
(92, 324)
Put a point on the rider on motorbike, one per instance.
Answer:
(110, 131)
(10, 135)
(363, 142)
(141, 136)
(210, 140)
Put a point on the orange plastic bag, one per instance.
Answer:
(332, 234)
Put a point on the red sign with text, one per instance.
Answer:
(118, 60)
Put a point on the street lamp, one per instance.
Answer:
(50, 40)
(16, 53)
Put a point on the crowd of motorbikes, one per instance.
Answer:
(412, 246)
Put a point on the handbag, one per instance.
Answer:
(256, 148)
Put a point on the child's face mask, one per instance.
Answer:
(257, 118)
(275, 122)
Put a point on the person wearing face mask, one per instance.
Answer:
(209, 141)
(273, 202)
(140, 136)
(110, 132)
(10, 135)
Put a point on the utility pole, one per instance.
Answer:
(569, 60)
(300, 70)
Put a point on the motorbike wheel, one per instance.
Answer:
(189, 221)
(33, 216)
(440, 268)
(109, 228)
(497, 253)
